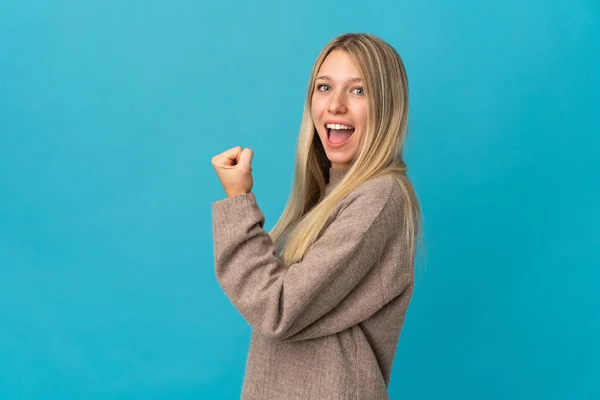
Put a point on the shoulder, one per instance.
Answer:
(380, 191)
(376, 200)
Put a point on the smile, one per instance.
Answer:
(338, 137)
(338, 133)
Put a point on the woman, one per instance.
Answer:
(326, 291)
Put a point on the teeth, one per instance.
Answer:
(338, 126)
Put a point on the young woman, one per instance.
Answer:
(327, 290)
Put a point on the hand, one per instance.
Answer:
(234, 170)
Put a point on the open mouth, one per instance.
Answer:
(338, 133)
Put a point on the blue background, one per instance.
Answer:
(110, 113)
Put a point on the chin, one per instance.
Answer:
(335, 158)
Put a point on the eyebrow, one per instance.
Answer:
(325, 77)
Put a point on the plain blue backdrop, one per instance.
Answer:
(110, 113)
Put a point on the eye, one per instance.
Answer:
(323, 87)
(358, 90)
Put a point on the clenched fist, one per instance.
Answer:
(234, 170)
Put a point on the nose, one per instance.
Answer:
(337, 103)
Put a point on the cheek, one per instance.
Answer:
(363, 109)
(362, 117)
(316, 111)
(315, 108)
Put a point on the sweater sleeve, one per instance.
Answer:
(281, 302)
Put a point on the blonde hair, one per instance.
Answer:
(386, 88)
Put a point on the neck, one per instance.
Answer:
(335, 176)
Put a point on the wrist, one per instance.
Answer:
(234, 194)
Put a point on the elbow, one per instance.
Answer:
(278, 333)
(270, 337)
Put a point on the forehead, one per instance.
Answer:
(338, 65)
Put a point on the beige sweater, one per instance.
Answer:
(327, 327)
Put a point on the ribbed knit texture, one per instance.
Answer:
(328, 326)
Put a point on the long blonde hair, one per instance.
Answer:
(386, 87)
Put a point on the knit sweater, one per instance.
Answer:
(327, 327)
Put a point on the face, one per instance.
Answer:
(339, 108)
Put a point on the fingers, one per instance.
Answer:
(246, 158)
(228, 157)
(234, 156)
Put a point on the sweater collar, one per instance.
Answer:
(335, 176)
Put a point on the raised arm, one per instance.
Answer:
(283, 303)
